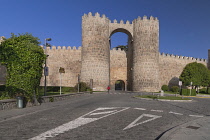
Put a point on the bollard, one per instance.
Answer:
(19, 101)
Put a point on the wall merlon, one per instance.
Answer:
(53, 48)
(59, 47)
(152, 18)
(97, 14)
(89, 14)
(121, 22)
(183, 57)
(144, 17)
(114, 21)
(63, 48)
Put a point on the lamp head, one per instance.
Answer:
(48, 39)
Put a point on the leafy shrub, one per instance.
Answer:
(175, 89)
(82, 86)
(186, 92)
(203, 90)
(164, 88)
(2, 87)
(68, 89)
(57, 89)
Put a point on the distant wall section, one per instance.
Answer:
(171, 67)
(68, 58)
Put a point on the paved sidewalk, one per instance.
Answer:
(198, 129)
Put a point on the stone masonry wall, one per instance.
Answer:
(171, 67)
(145, 71)
(95, 50)
(118, 66)
(68, 58)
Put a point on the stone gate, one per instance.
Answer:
(142, 55)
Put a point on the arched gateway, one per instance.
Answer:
(142, 55)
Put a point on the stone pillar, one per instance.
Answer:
(95, 51)
(145, 71)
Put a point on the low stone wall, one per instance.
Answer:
(12, 103)
(8, 104)
(54, 98)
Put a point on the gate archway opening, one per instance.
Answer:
(120, 85)
(123, 69)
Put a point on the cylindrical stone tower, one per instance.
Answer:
(95, 51)
(145, 71)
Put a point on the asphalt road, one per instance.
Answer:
(100, 116)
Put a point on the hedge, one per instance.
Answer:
(57, 89)
(186, 92)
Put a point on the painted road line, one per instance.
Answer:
(99, 113)
(157, 110)
(175, 113)
(134, 123)
(199, 116)
(85, 119)
(140, 108)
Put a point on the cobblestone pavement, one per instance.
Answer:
(100, 116)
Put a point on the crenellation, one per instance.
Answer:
(97, 14)
(114, 21)
(152, 18)
(145, 17)
(89, 14)
(68, 48)
(59, 48)
(53, 48)
(63, 48)
(121, 22)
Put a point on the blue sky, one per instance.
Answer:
(184, 24)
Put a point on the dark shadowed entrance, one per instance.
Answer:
(119, 85)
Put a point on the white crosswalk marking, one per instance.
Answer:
(157, 110)
(134, 123)
(85, 119)
(195, 116)
(140, 108)
(175, 113)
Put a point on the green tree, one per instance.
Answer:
(122, 47)
(23, 58)
(196, 73)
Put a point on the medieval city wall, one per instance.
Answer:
(68, 58)
(171, 67)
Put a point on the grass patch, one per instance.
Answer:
(170, 92)
(163, 97)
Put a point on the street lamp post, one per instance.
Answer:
(45, 66)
